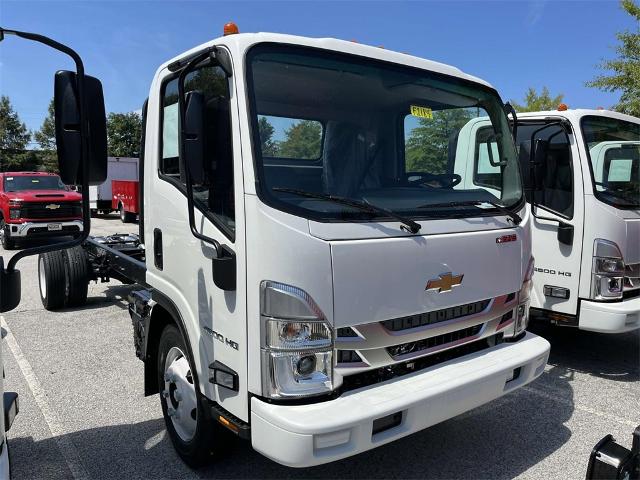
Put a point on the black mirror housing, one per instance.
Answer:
(10, 288)
(67, 124)
(565, 233)
(194, 136)
(539, 162)
(224, 269)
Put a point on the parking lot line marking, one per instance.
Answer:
(66, 446)
(582, 408)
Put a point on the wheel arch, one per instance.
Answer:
(164, 313)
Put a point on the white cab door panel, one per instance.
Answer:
(215, 320)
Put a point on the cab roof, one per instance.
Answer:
(241, 42)
(578, 113)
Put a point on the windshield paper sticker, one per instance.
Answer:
(421, 112)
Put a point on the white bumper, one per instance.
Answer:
(35, 229)
(615, 317)
(307, 435)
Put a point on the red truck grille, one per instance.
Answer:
(44, 210)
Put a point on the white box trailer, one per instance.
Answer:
(118, 168)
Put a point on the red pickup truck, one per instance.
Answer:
(34, 204)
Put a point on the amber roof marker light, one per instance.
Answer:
(563, 107)
(230, 28)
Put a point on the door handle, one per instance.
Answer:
(157, 248)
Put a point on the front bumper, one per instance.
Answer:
(613, 317)
(40, 229)
(307, 435)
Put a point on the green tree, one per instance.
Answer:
(46, 138)
(625, 76)
(123, 134)
(302, 140)
(427, 147)
(269, 146)
(534, 102)
(14, 135)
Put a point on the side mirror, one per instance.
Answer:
(67, 122)
(194, 136)
(539, 162)
(611, 460)
(10, 288)
(565, 233)
(224, 269)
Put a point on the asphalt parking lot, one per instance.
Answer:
(83, 413)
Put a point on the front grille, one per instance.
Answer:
(429, 318)
(631, 277)
(348, 356)
(65, 228)
(431, 342)
(44, 210)
(346, 332)
(371, 377)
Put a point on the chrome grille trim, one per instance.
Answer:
(374, 340)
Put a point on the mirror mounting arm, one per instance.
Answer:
(84, 139)
(188, 180)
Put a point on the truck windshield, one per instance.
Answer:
(614, 152)
(395, 137)
(19, 183)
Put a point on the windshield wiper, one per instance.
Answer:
(407, 224)
(476, 203)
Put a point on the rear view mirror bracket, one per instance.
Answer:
(192, 155)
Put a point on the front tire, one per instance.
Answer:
(52, 279)
(194, 434)
(7, 242)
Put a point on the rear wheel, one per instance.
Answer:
(52, 279)
(186, 414)
(7, 242)
(76, 276)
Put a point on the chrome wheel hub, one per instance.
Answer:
(180, 394)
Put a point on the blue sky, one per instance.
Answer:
(513, 44)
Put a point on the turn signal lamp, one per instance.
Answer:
(562, 107)
(230, 29)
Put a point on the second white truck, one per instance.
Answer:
(581, 172)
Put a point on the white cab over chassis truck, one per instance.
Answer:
(310, 277)
(583, 180)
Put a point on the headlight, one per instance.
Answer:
(522, 311)
(14, 213)
(607, 279)
(297, 343)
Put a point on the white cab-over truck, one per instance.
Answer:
(582, 179)
(307, 275)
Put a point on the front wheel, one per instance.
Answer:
(194, 434)
(7, 242)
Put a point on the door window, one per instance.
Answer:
(214, 196)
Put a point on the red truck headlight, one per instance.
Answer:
(14, 213)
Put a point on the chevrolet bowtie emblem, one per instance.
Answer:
(53, 206)
(445, 283)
